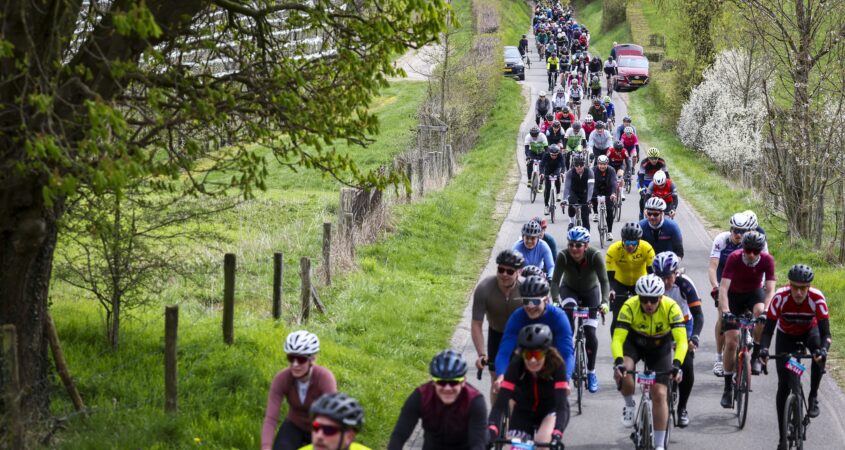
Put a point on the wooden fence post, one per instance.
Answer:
(327, 252)
(421, 174)
(61, 364)
(171, 326)
(278, 278)
(409, 167)
(229, 298)
(349, 220)
(12, 392)
(450, 161)
(305, 291)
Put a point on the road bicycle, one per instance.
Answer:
(796, 418)
(578, 219)
(579, 375)
(627, 181)
(602, 212)
(617, 204)
(552, 197)
(552, 76)
(742, 377)
(515, 444)
(643, 434)
(535, 179)
(526, 59)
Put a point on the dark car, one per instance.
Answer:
(514, 67)
(632, 73)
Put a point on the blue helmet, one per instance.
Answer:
(665, 264)
(448, 364)
(579, 234)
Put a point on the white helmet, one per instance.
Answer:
(302, 343)
(629, 130)
(602, 159)
(655, 203)
(659, 178)
(753, 217)
(542, 93)
(743, 221)
(589, 118)
(650, 285)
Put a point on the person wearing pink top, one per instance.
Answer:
(301, 383)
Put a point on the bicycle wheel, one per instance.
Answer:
(617, 209)
(645, 428)
(742, 388)
(535, 185)
(503, 429)
(552, 206)
(672, 420)
(580, 372)
(792, 426)
(602, 225)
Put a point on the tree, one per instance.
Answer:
(803, 42)
(95, 94)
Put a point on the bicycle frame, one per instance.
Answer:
(602, 212)
(795, 422)
(552, 196)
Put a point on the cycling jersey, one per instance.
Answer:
(724, 246)
(795, 319)
(552, 316)
(650, 330)
(684, 293)
(566, 120)
(647, 169)
(354, 446)
(575, 93)
(611, 110)
(668, 192)
(536, 145)
(629, 141)
(628, 267)
(489, 300)
(573, 139)
(600, 140)
(599, 113)
(552, 64)
(284, 386)
(620, 131)
(540, 256)
(588, 128)
(617, 157)
(665, 237)
(745, 278)
(559, 101)
(580, 276)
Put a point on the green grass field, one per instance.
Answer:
(385, 319)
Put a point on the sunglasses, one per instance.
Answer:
(532, 301)
(328, 430)
(632, 243)
(506, 270)
(738, 231)
(654, 213)
(751, 252)
(533, 354)
(649, 300)
(451, 382)
(298, 358)
(577, 244)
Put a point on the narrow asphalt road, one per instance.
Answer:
(599, 427)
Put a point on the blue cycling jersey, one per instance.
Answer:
(611, 110)
(665, 238)
(555, 318)
(540, 256)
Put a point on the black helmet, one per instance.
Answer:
(528, 271)
(578, 159)
(632, 231)
(532, 229)
(550, 117)
(448, 364)
(536, 336)
(600, 125)
(801, 273)
(341, 408)
(534, 131)
(617, 145)
(534, 287)
(554, 149)
(576, 126)
(626, 119)
(511, 258)
(565, 110)
(753, 240)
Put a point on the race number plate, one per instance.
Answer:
(582, 313)
(795, 367)
(646, 379)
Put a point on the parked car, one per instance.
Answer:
(632, 73)
(627, 49)
(514, 67)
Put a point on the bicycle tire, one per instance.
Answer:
(672, 419)
(602, 224)
(580, 379)
(617, 209)
(742, 389)
(535, 184)
(792, 422)
(646, 428)
(628, 185)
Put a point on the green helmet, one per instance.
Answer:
(653, 153)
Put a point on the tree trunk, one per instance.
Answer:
(114, 324)
(28, 234)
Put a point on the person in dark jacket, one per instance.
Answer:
(551, 165)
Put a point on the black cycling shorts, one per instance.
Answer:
(523, 422)
(608, 71)
(589, 299)
(657, 358)
(740, 302)
(494, 338)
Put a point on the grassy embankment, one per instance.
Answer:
(700, 181)
(385, 320)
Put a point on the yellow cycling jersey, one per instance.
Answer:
(629, 267)
(354, 446)
(654, 327)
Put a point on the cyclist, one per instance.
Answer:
(541, 39)
(554, 135)
(610, 110)
(566, 118)
(301, 383)
(536, 309)
(664, 188)
(453, 413)
(799, 311)
(596, 67)
(597, 110)
(523, 45)
(725, 244)
(605, 184)
(552, 69)
(551, 165)
(541, 107)
(621, 161)
(600, 140)
(546, 124)
(595, 84)
(648, 318)
(680, 288)
(627, 261)
(631, 142)
(620, 130)
(588, 126)
(546, 237)
(740, 291)
(528, 271)
(535, 145)
(580, 279)
(661, 232)
(575, 93)
(574, 136)
(578, 189)
(536, 384)
(495, 297)
(337, 420)
(646, 171)
(559, 100)
(535, 251)
(610, 70)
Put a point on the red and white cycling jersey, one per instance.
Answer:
(795, 319)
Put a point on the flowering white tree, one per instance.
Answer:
(724, 115)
